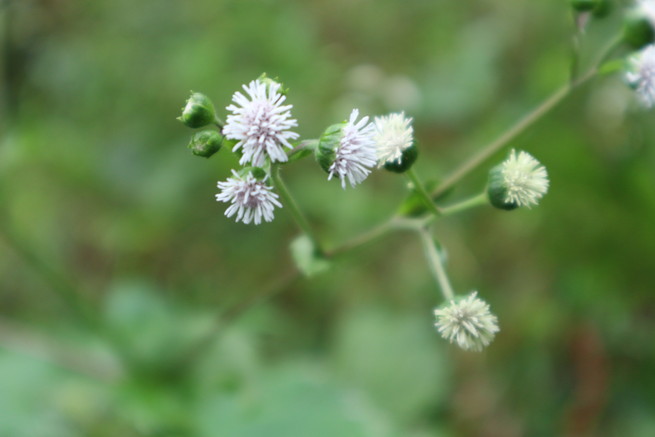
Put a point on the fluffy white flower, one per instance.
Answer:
(260, 123)
(393, 134)
(467, 322)
(356, 152)
(641, 74)
(251, 199)
(524, 178)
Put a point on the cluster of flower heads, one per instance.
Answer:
(261, 126)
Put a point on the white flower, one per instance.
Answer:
(261, 123)
(467, 322)
(641, 74)
(251, 199)
(356, 153)
(524, 178)
(393, 134)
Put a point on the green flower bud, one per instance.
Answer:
(406, 161)
(326, 152)
(205, 143)
(638, 29)
(198, 112)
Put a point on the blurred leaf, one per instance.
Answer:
(396, 358)
(307, 258)
(295, 400)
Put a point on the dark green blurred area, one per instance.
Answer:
(98, 190)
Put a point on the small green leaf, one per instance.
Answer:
(612, 66)
(307, 258)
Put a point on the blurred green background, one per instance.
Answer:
(116, 261)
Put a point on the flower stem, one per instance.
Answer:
(219, 123)
(420, 189)
(291, 204)
(434, 260)
(479, 200)
(528, 120)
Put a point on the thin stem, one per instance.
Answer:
(393, 224)
(291, 204)
(479, 200)
(528, 120)
(420, 189)
(302, 145)
(434, 260)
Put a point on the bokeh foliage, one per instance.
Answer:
(97, 183)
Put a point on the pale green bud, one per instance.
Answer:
(198, 112)
(205, 143)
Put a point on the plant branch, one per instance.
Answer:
(434, 260)
(420, 189)
(528, 120)
(291, 204)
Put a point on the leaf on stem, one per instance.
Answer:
(308, 259)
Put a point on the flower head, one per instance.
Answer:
(641, 74)
(519, 181)
(251, 198)
(467, 322)
(393, 135)
(355, 154)
(260, 123)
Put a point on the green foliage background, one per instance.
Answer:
(99, 191)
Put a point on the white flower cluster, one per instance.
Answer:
(467, 322)
(261, 124)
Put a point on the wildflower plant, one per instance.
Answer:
(260, 129)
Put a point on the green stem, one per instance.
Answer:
(292, 206)
(528, 120)
(303, 145)
(479, 200)
(420, 189)
(434, 260)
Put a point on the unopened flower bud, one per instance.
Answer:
(198, 112)
(205, 143)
